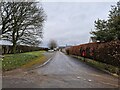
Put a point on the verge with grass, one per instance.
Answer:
(102, 66)
(13, 61)
(0, 63)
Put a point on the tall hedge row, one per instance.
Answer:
(108, 53)
(7, 49)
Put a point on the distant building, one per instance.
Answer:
(92, 39)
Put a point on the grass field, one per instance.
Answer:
(13, 61)
(100, 65)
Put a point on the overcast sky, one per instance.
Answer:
(70, 23)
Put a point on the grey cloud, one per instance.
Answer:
(70, 23)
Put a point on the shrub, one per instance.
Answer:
(7, 49)
(108, 53)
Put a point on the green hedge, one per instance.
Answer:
(7, 49)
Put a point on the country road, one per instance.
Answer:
(62, 72)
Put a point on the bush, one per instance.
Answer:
(108, 53)
(7, 49)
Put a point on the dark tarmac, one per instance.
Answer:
(61, 72)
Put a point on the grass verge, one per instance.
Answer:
(102, 66)
(0, 64)
(13, 61)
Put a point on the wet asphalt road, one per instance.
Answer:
(63, 72)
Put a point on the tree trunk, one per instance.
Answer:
(14, 41)
(14, 48)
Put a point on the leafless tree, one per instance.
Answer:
(52, 44)
(22, 22)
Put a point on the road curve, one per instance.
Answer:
(67, 72)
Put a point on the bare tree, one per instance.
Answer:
(22, 22)
(52, 44)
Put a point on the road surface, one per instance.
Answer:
(62, 72)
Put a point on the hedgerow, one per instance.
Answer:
(108, 52)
